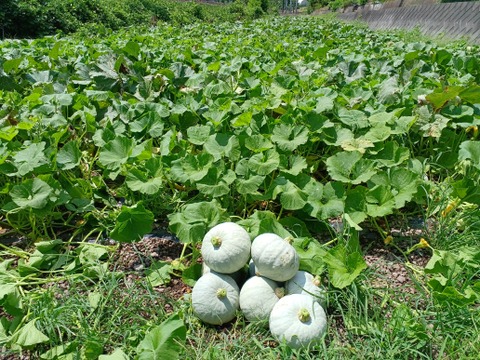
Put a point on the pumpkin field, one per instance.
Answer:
(119, 153)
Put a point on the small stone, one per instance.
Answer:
(138, 267)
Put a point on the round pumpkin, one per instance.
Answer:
(215, 298)
(226, 248)
(274, 257)
(305, 283)
(258, 296)
(298, 320)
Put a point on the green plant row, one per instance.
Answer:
(286, 116)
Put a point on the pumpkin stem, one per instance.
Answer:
(280, 292)
(216, 241)
(221, 293)
(289, 239)
(303, 315)
(317, 281)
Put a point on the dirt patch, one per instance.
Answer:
(140, 255)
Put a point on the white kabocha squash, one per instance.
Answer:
(215, 298)
(274, 257)
(239, 276)
(258, 296)
(298, 320)
(226, 248)
(305, 283)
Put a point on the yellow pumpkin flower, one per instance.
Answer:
(423, 243)
(451, 205)
(388, 240)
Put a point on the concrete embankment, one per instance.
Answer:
(449, 20)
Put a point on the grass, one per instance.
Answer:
(364, 323)
(114, 311)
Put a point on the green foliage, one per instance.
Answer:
(34, 18)
(283, 124)
(163, 341)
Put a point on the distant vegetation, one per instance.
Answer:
(34, 18)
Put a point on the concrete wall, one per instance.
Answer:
(451, 20)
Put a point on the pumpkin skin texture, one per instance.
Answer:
(239, 276)
(305, 283)
(226, 248)
(274, 257)
(215, 298)
(298, 320)
(258, 296)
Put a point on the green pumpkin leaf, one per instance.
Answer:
(263, 222)
(257, 143)
(288, 137)
(149, 123)
(389, 90)
(349, 167)
(117, 354)
(29, 335)
(291, 196)
(470, 150)
(324, 104)
(293, 165)
(471, 94)
(392, 154)
(191, 168)
(194, 220)
(264, 163)
(378, 133)
(405, 185)
(68, 157)
(358, 144)
(158, 273)
(441, 97)
(163, 342)
(380, 201)
(325, 202)
(199, 134)
(31, 158)
(311, 254)
(31, 194)
(220, 145)
(132, 48)
(243, 119)
(354, 119)
(345, 262)
(116, 152)
(217, 182)
(132, 223)
(147, 180)
(250, 185)
(356, 205)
